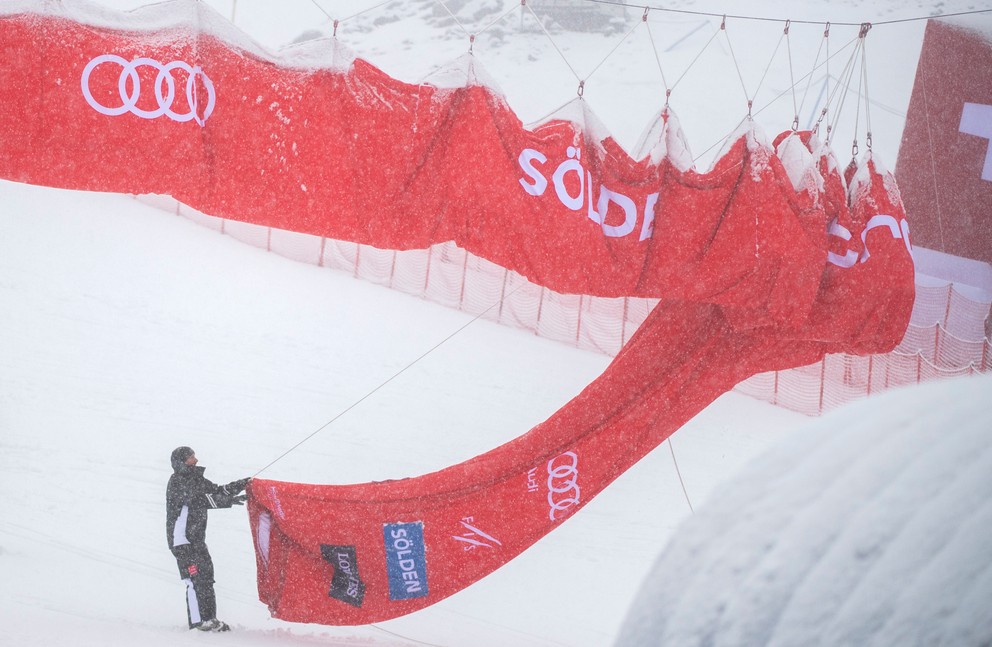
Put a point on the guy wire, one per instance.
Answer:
(390, 379)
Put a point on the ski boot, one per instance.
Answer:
(213, 624)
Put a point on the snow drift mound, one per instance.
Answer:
(850, 533)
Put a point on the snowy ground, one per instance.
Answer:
(125, 332)
(869, 526)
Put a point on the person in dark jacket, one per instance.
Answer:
(187, 499)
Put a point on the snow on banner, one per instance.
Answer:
(767, 261)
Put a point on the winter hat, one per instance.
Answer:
(179, 456)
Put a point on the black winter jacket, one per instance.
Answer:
(188, 497)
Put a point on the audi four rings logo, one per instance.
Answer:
(563, 483)
(164, 88)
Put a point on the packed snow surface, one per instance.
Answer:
(870, 526)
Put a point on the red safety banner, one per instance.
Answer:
(363, 553)
(356, 155)
(753, 273)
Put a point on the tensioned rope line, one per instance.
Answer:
(764, 75)
(792, 77)
(933, 162)
(723, 28)
(779, 96)
(862, 83)
(826, 81)
(843, 87)
(678, 472)
(733, 57)
(943, 15)
(497, 20)
(404, 637)
(578, 78)
(354, 15)
(654, 48)
(619, 43)
(657, 57)
(552, 41)
(390, 379)
(816, 59)
(618, 3)
(693, 62)
(864, 76)
(471, 41)
(454, 17)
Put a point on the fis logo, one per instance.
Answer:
(406, 561)
(474, 538)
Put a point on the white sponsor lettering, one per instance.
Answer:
(898, 229)
(530, 159)
(344, 565)
(596, 210)
(976, 119)
(532, 480)
(164, 98)
(563, 483)
(401, 545)
(274, 494)
(475, 538)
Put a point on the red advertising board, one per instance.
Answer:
(945, 160)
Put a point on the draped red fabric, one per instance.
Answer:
(402, 545)
(357, 155)
(758, 265)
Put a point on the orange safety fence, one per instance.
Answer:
(945, 337)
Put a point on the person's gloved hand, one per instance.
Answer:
(239, 500)
(237, 486)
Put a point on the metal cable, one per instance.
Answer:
(390, 379)
(619, 3)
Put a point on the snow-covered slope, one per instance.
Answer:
(870, 526)
(127, 331)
